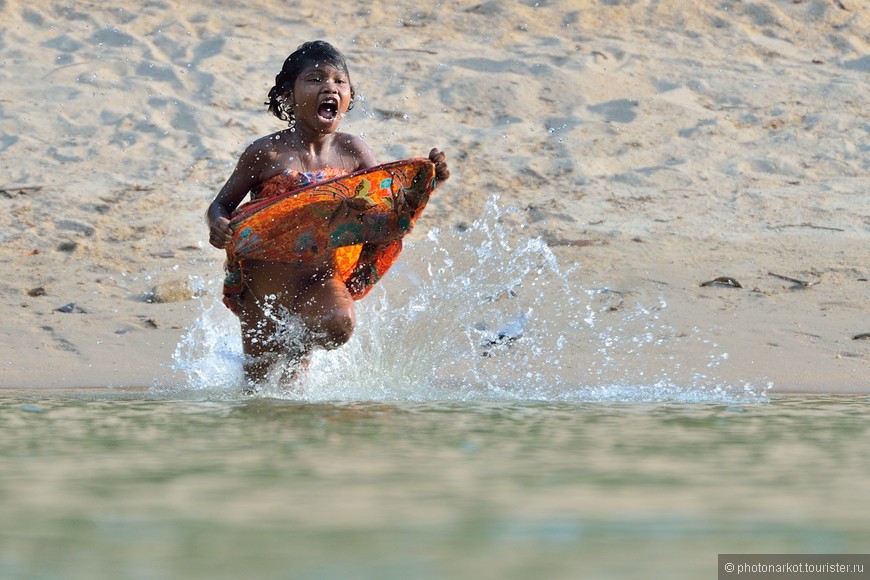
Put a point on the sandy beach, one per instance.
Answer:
(713, 158)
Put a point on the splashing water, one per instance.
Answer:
(474, 316)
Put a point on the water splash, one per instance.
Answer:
(209, 354)
(482, 315)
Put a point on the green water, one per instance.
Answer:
(126, 485)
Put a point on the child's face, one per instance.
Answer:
(321, 97)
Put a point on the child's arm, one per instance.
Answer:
(243, 179)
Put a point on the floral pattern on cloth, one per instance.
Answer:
(361, 217)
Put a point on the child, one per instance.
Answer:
(312, 93)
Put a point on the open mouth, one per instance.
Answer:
(328, 109)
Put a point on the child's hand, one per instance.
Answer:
(220, 233)
(439, 159)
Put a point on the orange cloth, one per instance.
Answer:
(362, 217)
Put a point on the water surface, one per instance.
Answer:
(139, 485)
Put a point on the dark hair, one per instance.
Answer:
(316, 51)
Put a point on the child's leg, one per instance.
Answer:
(261, 340)
(326, 307)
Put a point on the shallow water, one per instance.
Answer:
(137, 485)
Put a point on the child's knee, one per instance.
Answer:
(337, 328)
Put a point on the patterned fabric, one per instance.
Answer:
(362, 217)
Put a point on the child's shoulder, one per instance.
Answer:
(265, 149)
(352, 142)
(270, 142)
(357, 148)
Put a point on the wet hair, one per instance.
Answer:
(314, 52)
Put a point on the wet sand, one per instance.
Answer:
(659, 148)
